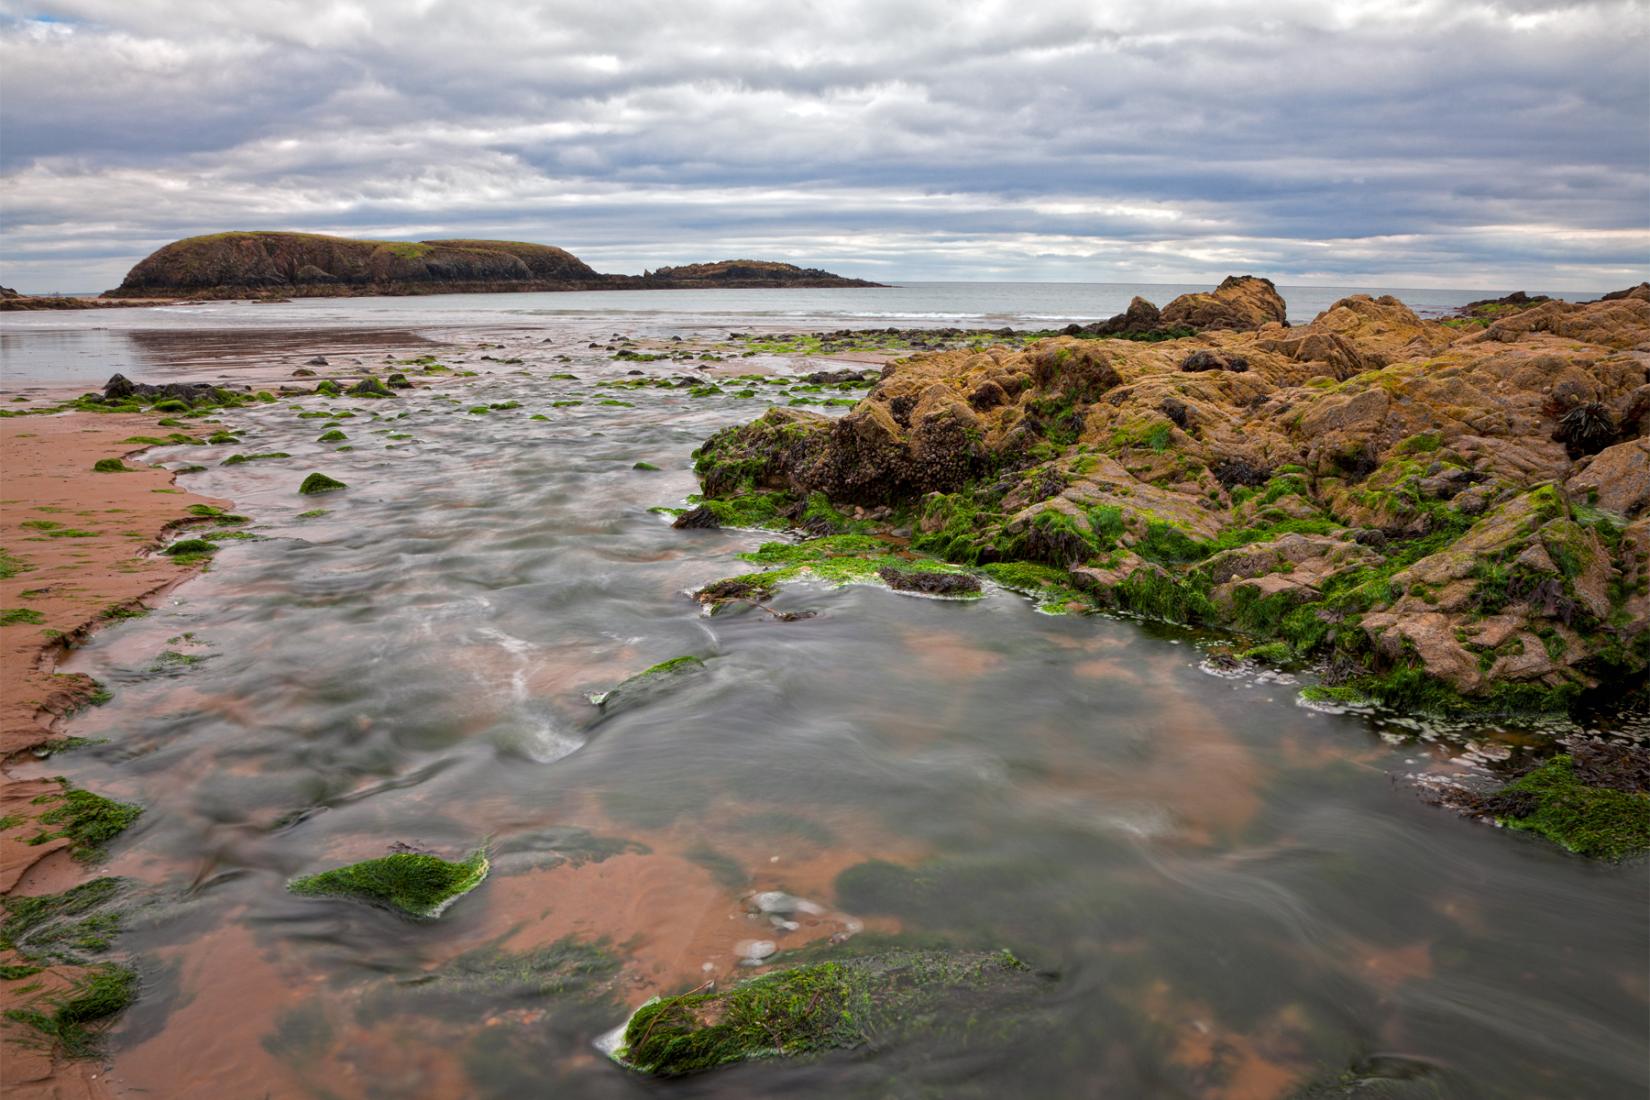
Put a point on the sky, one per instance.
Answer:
(1399, 143)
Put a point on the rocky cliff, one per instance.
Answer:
(1437, 515)
(266, 264)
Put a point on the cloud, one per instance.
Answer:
(1407, 142)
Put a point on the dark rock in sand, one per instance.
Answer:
(121, 389)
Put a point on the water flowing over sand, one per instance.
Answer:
(1232, 891)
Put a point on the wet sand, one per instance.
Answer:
(77, 547)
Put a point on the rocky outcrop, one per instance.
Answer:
(1240, 302)
(265, 264)
(1440, 513)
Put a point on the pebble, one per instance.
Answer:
(754, 951)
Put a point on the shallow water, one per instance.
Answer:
(1234, 893)
(85, 348)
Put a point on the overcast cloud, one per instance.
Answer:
(1396, 143)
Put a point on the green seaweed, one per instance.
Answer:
(103, 992)
(1600, 822)
(67, 927)
(110, 466)
(88, 820)
(844, 1004)
(414, 883)
(241, 460)
(320, 483)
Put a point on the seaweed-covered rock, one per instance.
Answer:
(869, 1001)
(413, 883)
(929, 583)
(698, 518)
(120, 389)
(646, 684)
(1593, 800)
(371, 387)
(1460, 557)
(320, 483)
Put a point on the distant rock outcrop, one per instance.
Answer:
(308, 265)
(746, 273)
(1241, 303)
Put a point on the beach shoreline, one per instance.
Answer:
(69, 585)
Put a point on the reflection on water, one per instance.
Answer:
(1233, 896)
(88, 357)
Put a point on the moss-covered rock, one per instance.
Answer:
(416, 884)
(1374, 491)
(371, 387)
(869, 1001)
(1593, 800)
(647, 683)
(320, 483)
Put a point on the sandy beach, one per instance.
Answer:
(79, 554)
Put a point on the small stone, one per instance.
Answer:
(754, 951)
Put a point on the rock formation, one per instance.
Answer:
(1443, 516)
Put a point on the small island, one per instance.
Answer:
(313, 265)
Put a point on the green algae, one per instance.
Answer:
(186, 548)
(1049, 587)
(68, 1020)
(110, 466)
(331, 436)
(21, 616)
(865, 1001)
(1600, 822)
(88, 820)
(414, 883)
(757, 511)
(478, 981)
(71, 927)
(646, 684)
(320, 483)
(242, 459)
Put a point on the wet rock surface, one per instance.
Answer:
(1371, 488)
